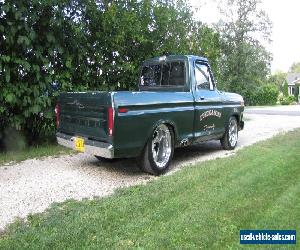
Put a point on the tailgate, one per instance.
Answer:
(85, 114)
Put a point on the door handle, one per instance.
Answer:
(201, 98)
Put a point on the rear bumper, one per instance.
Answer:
(92, 147)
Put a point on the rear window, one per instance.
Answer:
(167, 74)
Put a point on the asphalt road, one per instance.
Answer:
(291, 110)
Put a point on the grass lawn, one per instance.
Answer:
(33, 152)
(203, 206)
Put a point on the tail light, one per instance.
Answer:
(110, 120)
(57, 113)
(122, 110)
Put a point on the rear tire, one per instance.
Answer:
(230, 138)
(158, 152)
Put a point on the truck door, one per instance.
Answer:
(209, 118)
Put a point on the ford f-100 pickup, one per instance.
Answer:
(178, 104)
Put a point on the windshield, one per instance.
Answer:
(167, 74)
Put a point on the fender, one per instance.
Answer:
(237, 113)
(162, 121)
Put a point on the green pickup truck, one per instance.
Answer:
(177, 105)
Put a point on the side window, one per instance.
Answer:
(202, 76)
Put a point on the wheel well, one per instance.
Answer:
(236, 117)
(169, 125)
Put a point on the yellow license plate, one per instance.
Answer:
(79, 144)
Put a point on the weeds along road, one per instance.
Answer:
(33, 185)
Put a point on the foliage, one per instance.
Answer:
(266, 94)
(295, 68)
(247, 190)
(287, 100)
(34, 53)
(279, 79)
(285, 89)
(245, 62)
(52, 46)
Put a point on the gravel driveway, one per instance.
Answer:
(32, 185)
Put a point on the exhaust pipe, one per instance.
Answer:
(184, 142)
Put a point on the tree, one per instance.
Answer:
(295, 68)
(278, 78)
(245, 63)
(285, 89)
(68, 45)
(30, 48)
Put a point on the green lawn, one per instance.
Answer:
(33, 152)
(203, 206)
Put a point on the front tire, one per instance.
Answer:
(158, 152)
(230, 138)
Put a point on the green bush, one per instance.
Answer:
(263, 95)
(287, 100)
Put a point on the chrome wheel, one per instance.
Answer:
(161, 145)
(233, 132)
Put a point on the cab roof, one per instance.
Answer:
(175, 57)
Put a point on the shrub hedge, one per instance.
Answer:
(263, 95)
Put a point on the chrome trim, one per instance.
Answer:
(233, 132)
(92, 147)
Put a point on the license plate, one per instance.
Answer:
(79, 144)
